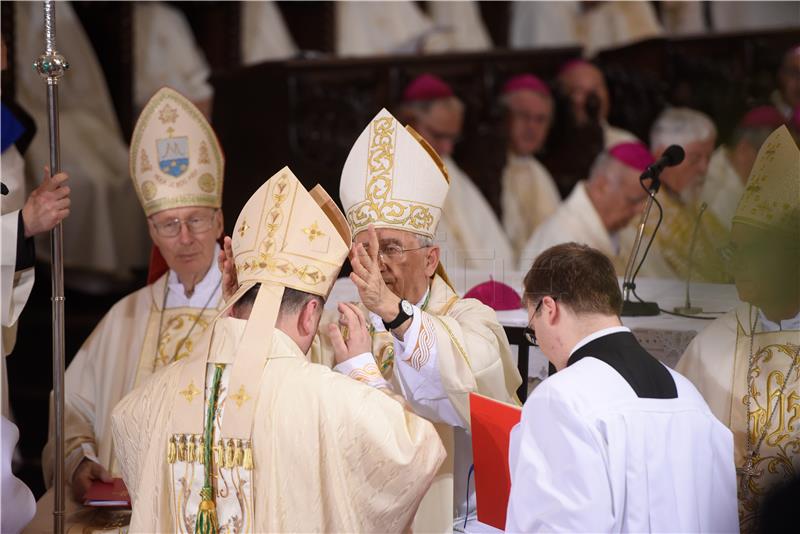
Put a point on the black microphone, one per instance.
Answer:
(672, 156)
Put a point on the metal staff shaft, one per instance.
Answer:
(51, 67)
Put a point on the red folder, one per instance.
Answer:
(108, 494)
(491, 425)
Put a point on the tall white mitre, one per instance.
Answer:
(175, 158)
(393, 179)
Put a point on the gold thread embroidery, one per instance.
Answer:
(313, 232)
(168, 115)
(241, 397)
(378, 205)
(190, 392)
(243, 228)
(367, 374)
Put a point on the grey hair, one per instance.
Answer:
(424, 241)
(606, 166)
(681, 126)
(414, 111)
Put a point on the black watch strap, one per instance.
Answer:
(402, 317)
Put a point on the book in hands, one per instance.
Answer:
(103, 494)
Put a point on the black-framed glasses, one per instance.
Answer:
(529, 332)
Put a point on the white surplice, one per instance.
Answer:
(723, 187)
(589, 455)
(528, 197)
(18, 504)
(577, 220)
(463, 28)
(469, 233)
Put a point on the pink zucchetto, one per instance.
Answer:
(496, 295)
(571, 64)
(523, 82)
(767, 117)
(426, 87)
(634, 154)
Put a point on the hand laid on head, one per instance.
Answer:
(87, 472)
(350, 337)
(366, 276)
(48, 205)
(230, 282)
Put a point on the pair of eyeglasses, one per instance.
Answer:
(196, 225)
(391, 251)
(529, 333)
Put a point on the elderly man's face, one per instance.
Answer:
(578, 83)
(190, 251)
(441, 127)
(529, 117)
(406, 267)
(789, 78)
(765, 266)
(689, 175)
(630, 197)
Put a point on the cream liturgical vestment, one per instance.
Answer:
(393, 179)
(469, 234)
(577, 220)
(746, 366)
(529, 196)
(722, 188)
(276, 444)
(175, 162)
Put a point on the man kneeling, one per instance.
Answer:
(614, 441)
(276, 444)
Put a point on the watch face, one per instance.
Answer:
(408, 309)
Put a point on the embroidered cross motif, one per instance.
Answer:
(243, 228)
(190, 392)
(241, 397)
(313, 232)
(168, 114)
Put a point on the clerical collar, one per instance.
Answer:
(618, 348)
(598, 334)
(793, 323)
(203, 290)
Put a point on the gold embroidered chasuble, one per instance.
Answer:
(472, 355)
(718, 362)
(121, 353)
(669, 257)
(328, 453)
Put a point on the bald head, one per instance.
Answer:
(578, 81)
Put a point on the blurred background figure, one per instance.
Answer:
(469, 233)
(598, 211)
(731, 163)
(787, 95)
(528, 193)
(670, 256)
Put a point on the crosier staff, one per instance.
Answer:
(51, 66)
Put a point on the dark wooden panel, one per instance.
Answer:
(109, 26)
(216, 28)
(307, 113)
(311, 24)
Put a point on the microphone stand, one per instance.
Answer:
(687, 308)
(636, 308)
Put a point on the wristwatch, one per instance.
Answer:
(406, 311)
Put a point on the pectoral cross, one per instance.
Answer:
(747, 472)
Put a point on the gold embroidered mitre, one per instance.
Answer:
(291, 237)
(393, 179)
(175, 158)
(771, 199)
